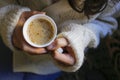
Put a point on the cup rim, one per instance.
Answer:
(38, 16)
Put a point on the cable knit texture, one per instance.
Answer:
(80, 31)
(84, 37)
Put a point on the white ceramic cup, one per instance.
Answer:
(39, 16)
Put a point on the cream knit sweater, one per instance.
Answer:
(80, 31)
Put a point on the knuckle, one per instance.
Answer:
(24, 48)
(58, 41)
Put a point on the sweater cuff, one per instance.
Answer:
(9, 17)
(78, 39)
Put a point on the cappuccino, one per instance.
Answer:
(40, 31)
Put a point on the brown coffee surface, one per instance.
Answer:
(40, 31)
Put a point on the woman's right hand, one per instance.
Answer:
(17, 37)
(67, 57)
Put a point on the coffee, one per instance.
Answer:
(40, 31)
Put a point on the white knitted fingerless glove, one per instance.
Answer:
(79, 38)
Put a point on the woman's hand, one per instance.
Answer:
(17, 38)
(67, 57)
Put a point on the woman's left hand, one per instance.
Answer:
(17, 37)
(67, 57)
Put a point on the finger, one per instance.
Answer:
(33, 50)
(64, 58)
(52, 46)
(60, 42)
(70, 51)
(38, 12)
(27, 14)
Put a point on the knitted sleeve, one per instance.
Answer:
(9, 16)
(86, 35)
(79, 37)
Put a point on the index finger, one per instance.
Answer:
(38, 12)
(34, 50)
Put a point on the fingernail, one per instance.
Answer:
(60, 50)
(51, 47)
